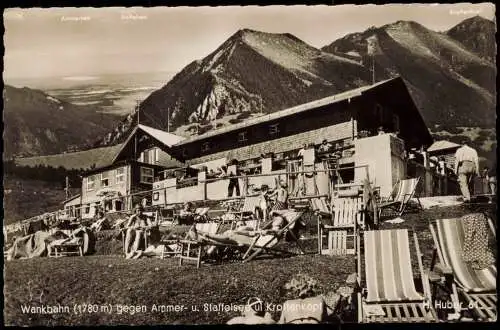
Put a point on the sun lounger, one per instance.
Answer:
(266, 241)
(401, 195)
(477, 287)
(68, 248)
(390, 294)
(78, 243)
(255, 243)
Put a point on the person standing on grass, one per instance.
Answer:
(492, 179)
(466, 167)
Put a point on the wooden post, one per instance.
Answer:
(66, 189)
(202, 177)
(164, 197)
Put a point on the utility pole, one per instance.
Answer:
(373, 69)
(371, 44)
(137, 108)
(66, 188)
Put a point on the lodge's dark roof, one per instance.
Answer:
(279, 145)
(287, 112)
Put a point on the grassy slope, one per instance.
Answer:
(115, 280)
(28, 198)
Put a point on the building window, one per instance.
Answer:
(205, 146)
(120, 175)
(150, 156)
(242, 137)
(156, 196)
(105, 179)
(146, 175)
(87, 209)
(273, 129)
(90, 183)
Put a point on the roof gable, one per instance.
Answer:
(164, 138)
(442, 145)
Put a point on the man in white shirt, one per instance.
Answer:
(466, 166)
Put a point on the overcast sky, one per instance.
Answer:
(91, 41)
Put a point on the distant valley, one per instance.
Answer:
(36, 123)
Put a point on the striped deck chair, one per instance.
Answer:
(402, 193)
(341, 235)
(260, 241)
(390, 294)
(191, 250)
(477, 287)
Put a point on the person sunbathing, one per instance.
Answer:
(136, 231)
(100, 223)
(186, 214)
(244, 235)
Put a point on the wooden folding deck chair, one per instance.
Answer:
(341, 235)
(324, 215)
(191, 250)
(267, 241)
(476, 286)
(390, 294)
(402, 193)
(65, 249)
(247, 210)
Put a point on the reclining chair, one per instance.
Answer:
(477, 287)
(401, 195)
(390, 294)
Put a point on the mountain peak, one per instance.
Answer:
(477, 19)
(241, 34)
(403, 25)
(477, 34)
